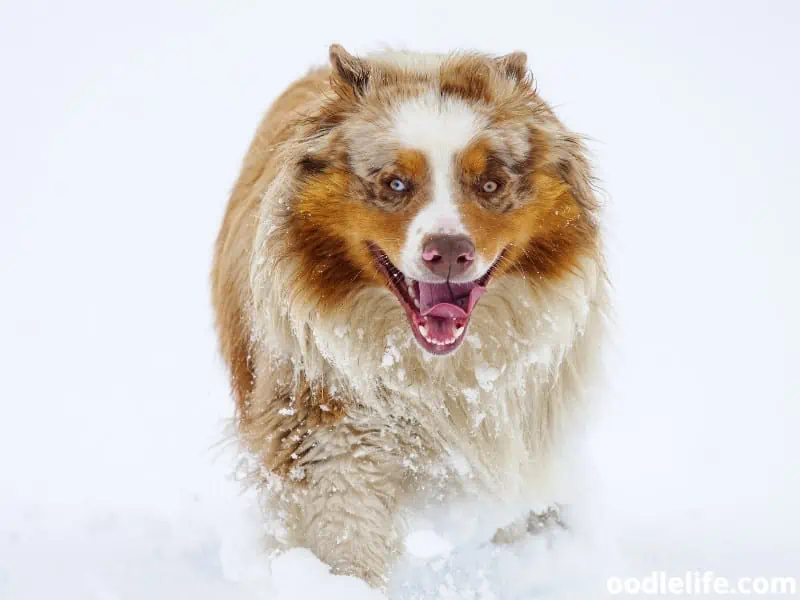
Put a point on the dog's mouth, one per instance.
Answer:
(438, 313)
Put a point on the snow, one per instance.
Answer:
(486, 376)
(425, 543)
(123, 127)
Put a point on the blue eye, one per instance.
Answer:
(490, 187)
(397, 185)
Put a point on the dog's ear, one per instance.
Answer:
(349, 69)
(514, 65)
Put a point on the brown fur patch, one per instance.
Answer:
(283, 430)
(562, 233)
(535, 217)
(467, 77)
(230, 271)
(333, 223)
(412, 164)
(474, 161)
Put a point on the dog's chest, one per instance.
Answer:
(446, 440)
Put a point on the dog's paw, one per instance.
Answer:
(534, 523)
(547, 520)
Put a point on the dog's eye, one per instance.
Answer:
(397, 185)
(490, 187)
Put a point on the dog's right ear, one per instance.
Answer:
(349, 69)
(514, 65)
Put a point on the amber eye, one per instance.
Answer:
(489, 187)
(397, 185)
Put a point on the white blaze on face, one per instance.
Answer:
(440, 128)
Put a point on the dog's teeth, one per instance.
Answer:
(423, 329)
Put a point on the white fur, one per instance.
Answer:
(440, 128)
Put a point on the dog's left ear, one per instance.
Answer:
(514, 65)
(349, 69)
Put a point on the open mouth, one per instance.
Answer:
(438, 313)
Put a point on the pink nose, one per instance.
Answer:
(448, 255)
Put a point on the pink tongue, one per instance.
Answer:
(452, 301)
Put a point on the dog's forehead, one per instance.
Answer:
(440, 128)
(437, 127)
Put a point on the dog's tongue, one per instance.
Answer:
(449, 300)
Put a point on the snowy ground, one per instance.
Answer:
(122, 129)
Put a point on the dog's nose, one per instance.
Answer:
(448, 255)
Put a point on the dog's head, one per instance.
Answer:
(434, 177)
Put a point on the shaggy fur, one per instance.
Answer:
(336, 400)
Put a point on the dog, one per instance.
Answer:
(410, 295)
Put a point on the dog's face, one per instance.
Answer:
(433, 180)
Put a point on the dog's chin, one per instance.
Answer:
(438, 313)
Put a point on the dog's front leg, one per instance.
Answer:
(345, 510)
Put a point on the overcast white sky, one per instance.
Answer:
(123, 125)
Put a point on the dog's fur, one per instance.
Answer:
(334, 396)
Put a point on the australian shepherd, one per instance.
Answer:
(410, 292)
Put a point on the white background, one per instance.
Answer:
(121, 130)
